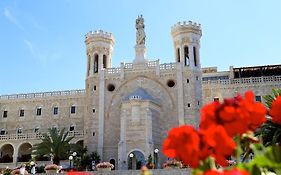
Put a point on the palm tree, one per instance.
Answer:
(54, 144)
(270, 132)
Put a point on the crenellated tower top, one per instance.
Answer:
(184, 26)
(99, 35)
(186, 37)
(99, 46)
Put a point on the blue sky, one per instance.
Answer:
(42, 42)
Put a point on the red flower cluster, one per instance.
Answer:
(275, 110)
(219, 123)
(232, 172)
(183, 143)
(216, 143)
(236, 115)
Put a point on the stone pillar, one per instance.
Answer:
(157, 68)
(180, 96)
(15, 155)
(100, 61)
(101, 113)
(140, 54)
(122, 143)
(122, 71)
(191, 56)
(91, 59)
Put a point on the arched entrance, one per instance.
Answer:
(81, 143)
(135, 160)
(6, 155)
(112, 161)
(24, 154)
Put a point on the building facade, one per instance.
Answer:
(124, 113)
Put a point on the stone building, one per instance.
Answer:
(124, 113)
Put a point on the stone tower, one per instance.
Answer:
(186, 39)
(99, 45)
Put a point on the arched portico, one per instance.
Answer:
(24, 152)
(6, 153)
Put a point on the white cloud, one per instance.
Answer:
(12, 18)
(30, 47)
(42, 57)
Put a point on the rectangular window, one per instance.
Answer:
(36, 130)
(19, 131)
(72, 110)
(21, 112)
(94, 110)
(216, 99)
(71, 128)
(95, 88)
(38, 111)
(55, 110)
(258, 98)
(5, 114)
(3, 132)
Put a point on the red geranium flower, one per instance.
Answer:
(275, 110)
(183, 143)
(231, 172)
(236, 115)
(217, 143)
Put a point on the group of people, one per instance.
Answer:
(23, 169)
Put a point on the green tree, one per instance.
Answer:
(270, 132)
(54, 144)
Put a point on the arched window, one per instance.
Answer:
(186, 56)
(104, 61)
(96, 63)
(178, 55)
(195, 56)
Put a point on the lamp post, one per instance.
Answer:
(74, 154)
(156, 158)
(70, 159)
(131, 159)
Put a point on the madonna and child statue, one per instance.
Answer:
(140, 42)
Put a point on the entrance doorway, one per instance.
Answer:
(135, 160)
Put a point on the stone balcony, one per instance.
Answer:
(251, 80)
(35, 136)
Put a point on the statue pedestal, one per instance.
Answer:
(140, 54)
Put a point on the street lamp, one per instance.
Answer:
(131, 159)
(70, 159)
(74, 154)
(156, 158)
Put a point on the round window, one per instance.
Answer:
(171, 83)
(110, 87)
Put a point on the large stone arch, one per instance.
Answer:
(6, 153)
(24, 152)
(156, 89)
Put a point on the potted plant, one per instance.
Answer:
(149, 163)
(52, 168)
(104, 166)
(172, 164)
(17, 172)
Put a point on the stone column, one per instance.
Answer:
(191, 56)
(180, 96)
(91, 59)
(122, 143)
(15, 155)
(101, 113)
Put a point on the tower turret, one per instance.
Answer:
(186, 37)
(99, 46)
